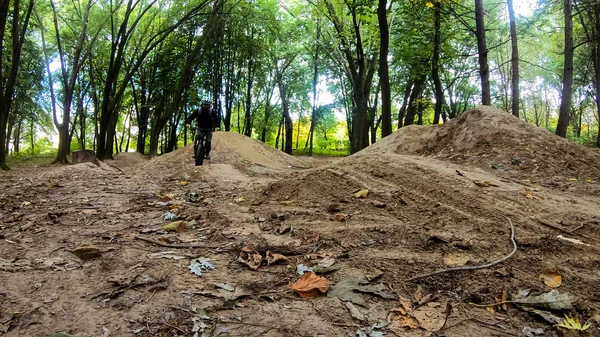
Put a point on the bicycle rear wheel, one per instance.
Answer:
(200, 152)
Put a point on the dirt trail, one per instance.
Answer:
(425, 211)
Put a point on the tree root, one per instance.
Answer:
(442, 271)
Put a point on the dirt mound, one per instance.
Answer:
(486, 137)
(242, 152)
(82, 170)
(127, 159)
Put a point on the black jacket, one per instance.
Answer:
(206, 118)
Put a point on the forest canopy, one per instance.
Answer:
(307, 76)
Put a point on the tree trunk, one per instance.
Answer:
(384, 77)
(250, 77)
(439, 92)
(567, 82)
(313, 116)
(402, 112)
(278, 133)
(514, 62)
(7, 83)
(413, 108)
(289, 126)
(484, 71)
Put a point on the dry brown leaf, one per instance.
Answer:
(326, 262)
(430, 319)
(490, 309)
(361, 194)
(273, 258)
(551, 278)
(250, 257)
(485, 183)
(456, 260)
(310, 285)
(405, 305)
(418, 294)
(500, 300)
(340, 217)
(527, 192)
(166, 197)
(397, 326)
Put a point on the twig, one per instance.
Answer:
(442, 271)
(547, 224)
(173, 245)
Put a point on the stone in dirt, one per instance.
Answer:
(87, 252)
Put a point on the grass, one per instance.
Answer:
(28, 160)
(322, 152)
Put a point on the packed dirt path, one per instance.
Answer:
(418, 212)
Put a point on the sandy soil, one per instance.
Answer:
(434, 202)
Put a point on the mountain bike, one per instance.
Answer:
(200, 146)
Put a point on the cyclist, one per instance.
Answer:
(206, 121)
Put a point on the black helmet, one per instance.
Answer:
(206, 102)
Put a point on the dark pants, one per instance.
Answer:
(209, 135)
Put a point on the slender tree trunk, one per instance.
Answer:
(278, 133)
(514, 62)
(384, 77)
(484, 71)
(402, 111)
(567, 82)
(413, 105)
(32, 135)
(439, 92)
(289, 126)
(313, 117)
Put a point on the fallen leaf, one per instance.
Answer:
(273, 258)
(240, 199)
(340, 217)
(552, 300)
(501, 301)
(551, 278)
(354, 312)
(485, 183)
(574, 324)
(250, 257)
(398, 326)
(326, 262)
(344, 290)
(455, 260)
(572, 179)
(166, 197)
(588, 180)
(179, 226)
(184, 183)
(362, 194)
(87, 252)
(529, 194)
(429, 318)
(310, 285)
